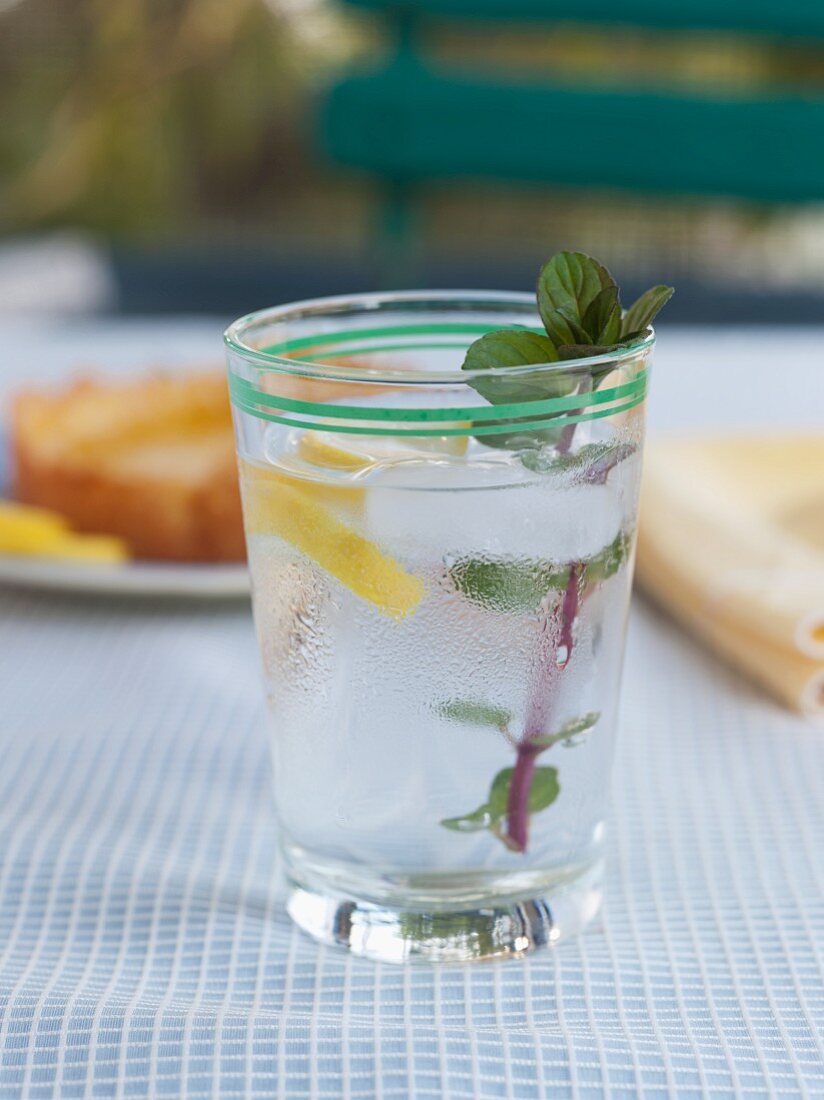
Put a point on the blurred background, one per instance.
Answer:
(221, 155)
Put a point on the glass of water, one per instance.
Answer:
(440, 586)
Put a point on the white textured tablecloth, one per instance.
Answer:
(143, 948)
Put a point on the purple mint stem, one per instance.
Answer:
(517, 805)
(569, 612)
(565, 439)
(568, 431)
(556, 634)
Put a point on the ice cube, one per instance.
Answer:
(435, 511)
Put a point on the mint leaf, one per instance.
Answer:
(608, 561)
(515, 585)
(641, 314)
(602, 318)
(545, 789)
(630, 338)
(509, 348)
(515, 348)
(543, 792)
(568, 284)
(520, 586)
(499, 793)
(474, 822)
(473, 713)
(567, 731)
(579, 725)
(565, 320)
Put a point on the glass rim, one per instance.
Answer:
(348, 305)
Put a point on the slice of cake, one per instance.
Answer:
(152, 461)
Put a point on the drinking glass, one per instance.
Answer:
(441, 563)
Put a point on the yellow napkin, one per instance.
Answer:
(731, 541)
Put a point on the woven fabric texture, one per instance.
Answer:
(144, 949)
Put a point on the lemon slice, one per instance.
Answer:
(290, 509)
(91, 548)
(315, 450)
(454, 445)
(42, 533)
(336, 491)
(23, 530)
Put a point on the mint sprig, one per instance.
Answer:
(543, 788)
(580, 307)
(543, 791)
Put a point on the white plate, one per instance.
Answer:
(132, 578)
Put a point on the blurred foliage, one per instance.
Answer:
(689, 60)
(138, 116)
(183, 119)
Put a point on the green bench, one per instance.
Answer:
(412, 120)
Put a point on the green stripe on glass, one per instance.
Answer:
(243, 390)
(324, 338)
(465, 429)
(347, 353)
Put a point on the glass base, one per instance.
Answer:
(502, 930)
